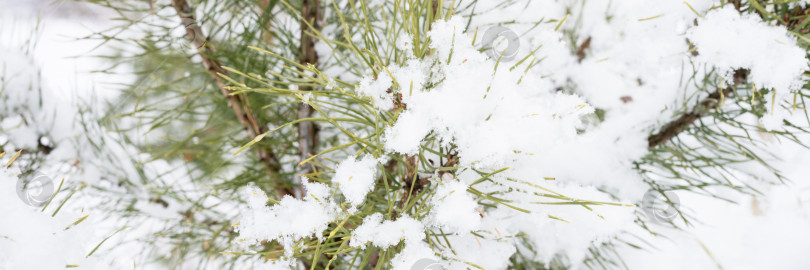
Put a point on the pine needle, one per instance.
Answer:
(105, 240)
(561, 22)
(13, 158)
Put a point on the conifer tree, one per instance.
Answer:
(463, 134)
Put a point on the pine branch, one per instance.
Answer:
(308, 130)
(239, 105)
(675, 127)
(413, 183)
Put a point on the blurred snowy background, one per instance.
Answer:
(51, 88)
(769, 232)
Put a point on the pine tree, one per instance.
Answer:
(267, 109)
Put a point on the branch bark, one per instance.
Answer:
(239, 105)
(308, 131)
(675, 127)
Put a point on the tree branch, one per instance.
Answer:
(675, 127)
(308, 131)
(239, 106)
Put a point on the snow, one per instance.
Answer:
(387, 233)
(406, 136)
(20, 84)
(748, 235)
(43, 87)
(536, 123)
(633, 71)
(31, 239)
(416, 254)
(470, 107)
(465, 109)
(723, 35)
(484, 252)
(377, 89)
(288, 221)
(355, 178)
(454, 209)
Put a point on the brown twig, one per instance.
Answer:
(580, 53)
(239, 106)
(308, 131)
(737, 5)
(675, 127)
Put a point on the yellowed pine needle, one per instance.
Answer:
(315, 197)
(273, 200)
(706, 249)
(13, 158)
(753, 93)
(561, 22)
(77, 222)
(391, 75)
(693, 9)
(340, 225)
(650, 18)
(475, 36)
(560, 219)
